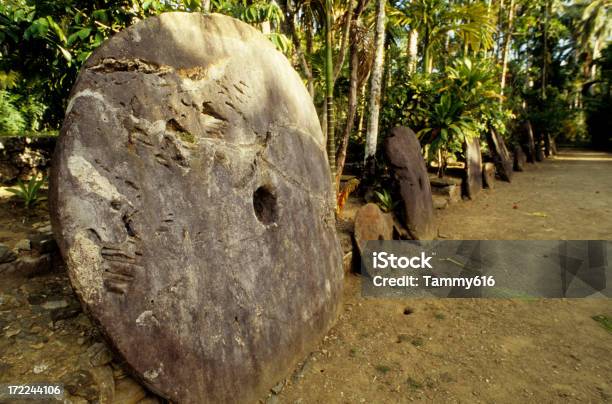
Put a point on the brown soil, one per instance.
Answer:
(468, 350)
(565, 198)
(381, 350)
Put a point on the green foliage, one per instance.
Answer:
(409, 104)
(446, 109)
(19, 114)
(29, 192)
(598, 102)
(476, 84)
(259, 11)
(11, 119)
(43, 44)
(472, 23)
(385, 201)
(449, 125)
(384, 369)
(554, 117)
(604, 321)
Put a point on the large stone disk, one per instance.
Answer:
(403, 151)
(501, 155)
(192, 200)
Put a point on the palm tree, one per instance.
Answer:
(359, 68)
(375, 86)
(329, 89)
(595, 28)
(434, 20)
(506, 45)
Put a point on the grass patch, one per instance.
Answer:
(384, 369)
(414, 384)
(353, 352)
(417, 341)
(439, 316)
(403, 338)
(604, 321)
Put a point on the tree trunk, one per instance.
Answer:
(545, 50)
(375, 86)
(596, 55)
(329, 90)
(300, 53)
(506, 47)
(498, 41)
(352, 101)
(413, 49)
(386, 76)
(206, 6)
(350, 118)
(361, 109)
(345, 40)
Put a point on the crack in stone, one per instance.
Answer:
(112, 65)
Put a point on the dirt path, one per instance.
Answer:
(503, 351)
(567, 198)
(380, 351)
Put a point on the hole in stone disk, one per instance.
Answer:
(264, 203)
(408, 311)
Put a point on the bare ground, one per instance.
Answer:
(468, 350)
(565, 198)
(381, 350)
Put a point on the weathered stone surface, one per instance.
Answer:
(24, 157)
(192, 200)
(528, 141)
(372, 224)
(43, 243)
(540, 151)
(553, 147)
(473, 168)
(23, 245)
(439, 201)
(6, 254)
(437, 182)
(451, 192)
(129, 392)
(34, 265)
(500, 155)
(520, 159)
(488, 175)
(404, 154)
(345, 230)
(82, 384)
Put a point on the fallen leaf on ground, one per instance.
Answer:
(538, 214)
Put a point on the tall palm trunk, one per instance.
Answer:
(413, 43)
(506, 47)
(361, 106)
(353, 83)
(375, 86)
(545, 49)
(427, 57)
(329, 90)
(206, 6)
(350, 118)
